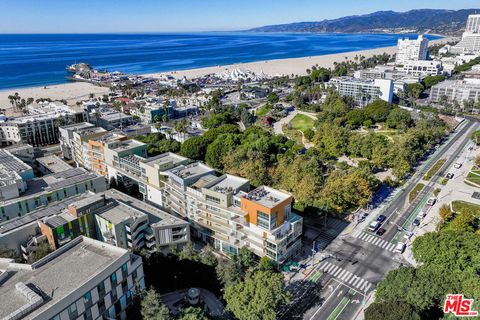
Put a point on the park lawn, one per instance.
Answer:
(413, 194)
(293, 134)
(476, 137)
(262, 111)
(472, 177)
(302, 122)
(460, 206)
(434, 169)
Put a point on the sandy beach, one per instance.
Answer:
(72, 92)
(75, 91)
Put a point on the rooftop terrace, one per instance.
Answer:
(267, 197)
(227, 184)
(191, 170)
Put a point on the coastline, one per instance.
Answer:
(76, 91)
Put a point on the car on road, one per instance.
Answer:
(449, 175)
(381, 218)
(431, 201)
(380, 231)
(374, 226)
(416, 222)
(421, 215)
(457, 165)
(400, 247)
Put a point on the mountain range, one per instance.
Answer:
(437, 21)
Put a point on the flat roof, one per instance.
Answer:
(12, 163)
(190, 170)
(266, 196)
(53, 163)
(51, 209)
(131, 207)
(78, 126)
(227, 184)
(126, 145)
(457, 84)
(166, 158)
(57, 275)
(53, 182)
(115, 116)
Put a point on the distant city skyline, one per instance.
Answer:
(108, 16)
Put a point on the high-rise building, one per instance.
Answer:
(85, 279)
(470, 42)
(411, 50)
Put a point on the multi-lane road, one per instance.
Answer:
(337, 287)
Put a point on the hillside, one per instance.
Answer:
(447, 22)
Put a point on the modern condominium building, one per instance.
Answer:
(85, 279)
(44, 190)
(364, 91)
(225, 212)
(411, 50)
(423, 68)
(40, 127)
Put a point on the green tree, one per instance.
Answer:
(445, 213)
(391, 310)
(192, 313)
(229, 272)
(188, 252)
(246, 258)
(207, 256)
(222, 146)
(414, 90)
(42, 250)
(152, 308)
(273, 98)
(194, 148)
(377, 111)
(258, 297)
(399, 119)
(265, 264)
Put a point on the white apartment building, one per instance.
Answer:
(85, 279)
(41, 126)
(66, 137)
(470, 42)
(456, 90)
(423, 68)
(364, 91)
(411, 50)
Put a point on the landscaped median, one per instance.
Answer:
(434, 169)
(414, 193)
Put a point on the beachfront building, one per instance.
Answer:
(50, 188)
(411, 50)
(364, 91)
(455, 91)
(66, 137)
(423, 68)
(85, 279)
(41, 126)
(470, 42)
(113, 119)
(226, 213)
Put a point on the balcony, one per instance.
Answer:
(64, 241)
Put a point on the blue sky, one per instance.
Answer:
(77, 16)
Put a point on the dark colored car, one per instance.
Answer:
(416, 222)
(381, 218)
(381, 231)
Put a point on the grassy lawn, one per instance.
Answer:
(436, 192)
(302, 122)
(459, 206)
(434, 169)
(476, 136)
(415, 191)
(293, 134)
(472, 177)
(262, 111)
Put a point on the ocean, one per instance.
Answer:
(40, 59)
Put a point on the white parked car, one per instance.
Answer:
(421, 215)
(431, 201)
(457, 165)
(400, 247)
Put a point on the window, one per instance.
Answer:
(87, 298)
(72, 311)
(263, 220)
(213, 199)
(57, 317)
(113, 278)
(124, 270)
(101, 289)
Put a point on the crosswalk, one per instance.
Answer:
(345, 276)
(376, 241)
